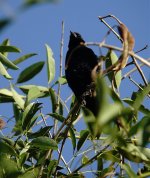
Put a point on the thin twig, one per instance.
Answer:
(131, 53)
(61, 149)
(90, 160)
(68, 119)
(145, 47)
(49, 153)
(102, 20)
(140, 71)
(62, 102)
(133, 81)
(69, 123)
(60, 75)
(132, 70)
(68, 98)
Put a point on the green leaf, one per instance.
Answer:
(4, 48)
(18, 98)
(26, 88)
(57, 116)
(34, 93)
(41, 132)
(114, 111)
(30, 72)
(142, 108)
(22, 158)
(17, 112)
(7, 62)
(8, 167)
(4, 72)
(23, 58)
(73, 138)
(85, 159)
(83, 136)
(91, 122)
(112, 58)
(135, 153)
(29, 113)
(100, 166)
(30, 3)
(5, 92)
(111, 155)
(52, 167)
(140, 97)
(129, 170)
(142, 129)
(30, 173)
(61, 80)
(6, 99)
(44, 143)
(50, 64)
(7, 149)
(53, 99)
(6, 42)
(4, 22)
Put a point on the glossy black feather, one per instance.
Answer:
(80, 62)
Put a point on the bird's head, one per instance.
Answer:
(75, 39)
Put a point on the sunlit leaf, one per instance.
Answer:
(135, 153)
(61, 80)
(34, 93)
(44, 143)
(85, 159)
(50, 64)
(18, 98)
(112, 58)
(114, 111)
(5, 92)
(26, 88)
(30, 72)
(4, 72)
(129, 170)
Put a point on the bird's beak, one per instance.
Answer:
(73, 34)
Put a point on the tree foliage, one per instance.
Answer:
(113, 144)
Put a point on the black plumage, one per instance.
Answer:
(81, 69)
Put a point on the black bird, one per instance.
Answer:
(81, 69)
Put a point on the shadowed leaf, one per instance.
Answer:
(30, 72)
